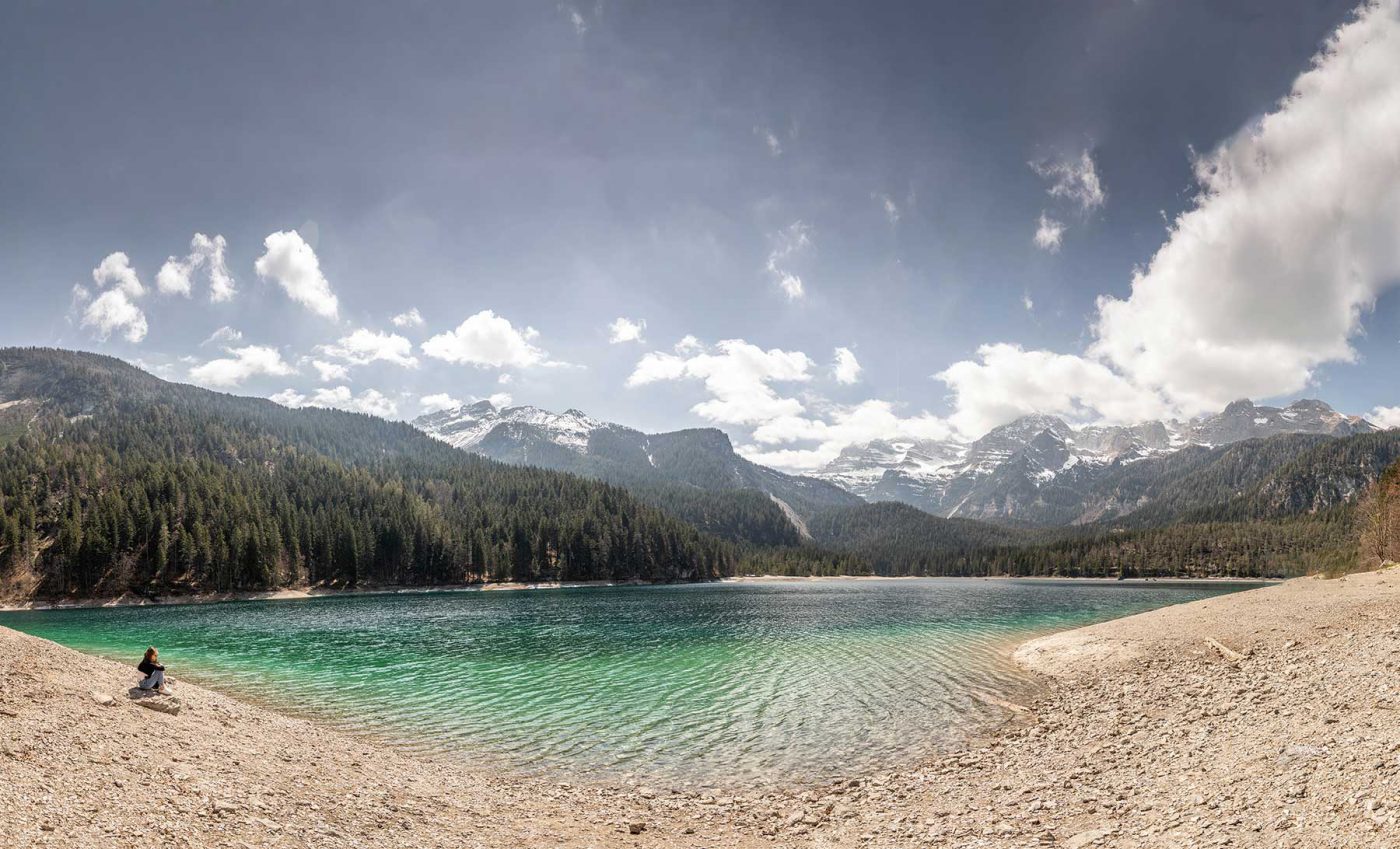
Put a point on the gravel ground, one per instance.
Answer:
(1269, 718)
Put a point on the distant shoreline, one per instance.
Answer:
(302, 593)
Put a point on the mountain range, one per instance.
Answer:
(1039, 470)
(572, 441)
(1034, 471)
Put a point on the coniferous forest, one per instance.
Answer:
(120, 481)
(113, 481)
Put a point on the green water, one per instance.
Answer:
(703, 684)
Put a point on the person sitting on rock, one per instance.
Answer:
(154, 672)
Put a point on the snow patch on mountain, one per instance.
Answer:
(466, 426)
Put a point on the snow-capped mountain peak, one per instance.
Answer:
(995, 475)
(469, 424)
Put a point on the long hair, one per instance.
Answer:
(151, 653)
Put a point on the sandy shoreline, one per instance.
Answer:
(1263, 718)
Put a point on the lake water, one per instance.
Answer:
(709, 684)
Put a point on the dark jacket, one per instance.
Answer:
(147, 667)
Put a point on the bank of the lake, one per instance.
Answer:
(297, 593)
(1261, 718)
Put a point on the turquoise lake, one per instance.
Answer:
(693, 685)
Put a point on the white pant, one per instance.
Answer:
(154, 682)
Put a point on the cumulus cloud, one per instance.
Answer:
(328, 372)
(438, 402)
(370, 402)
(176, 276)
(1007, 382)
(845, 368)
(365, 346)
(688, 345)
(241, 364)
(115, 309)
(1049, 234)
(224, 336)
(487, 340)
(115, 270)
(292, 264)
(626, 330)
(412, 318)
(1291, 239)
(786, 245)
(1387, 418)
(1074, 179)
(836, 428)
(736, 374)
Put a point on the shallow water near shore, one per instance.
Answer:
(692, 685)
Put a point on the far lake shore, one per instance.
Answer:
(307, 592)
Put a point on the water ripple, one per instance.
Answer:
(712, 684)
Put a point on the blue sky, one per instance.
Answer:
(933, 196)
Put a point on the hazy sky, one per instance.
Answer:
(806, 223)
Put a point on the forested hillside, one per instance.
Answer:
(892, 539)
(112, 480)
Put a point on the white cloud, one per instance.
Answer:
(364, 346)
(113, 311)
(737, 376)
(412, 318)
(1074, 179)
(841, 426)
(1007, 382)
(288, 398)
(504, 378)
(786, 244)
(176, 275)
(575, 17)
(1387, 418)
(221, 285)
(291, 262)
(499, 400)
(486, 339)
(224, 335)
(243, 363)
(891, 208)
(1291, 239)
(115, 270)
(1049, 234)
(438, 402)
(328, 372)
(370, 402)
(845, 368)
(688, 345)
(1027, 302)
(626, 330)
(770, 138)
